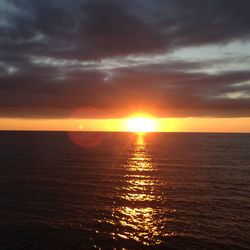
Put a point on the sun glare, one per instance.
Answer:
(141, 125)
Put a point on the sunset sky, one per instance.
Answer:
(91, 64)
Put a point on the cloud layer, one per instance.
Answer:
(168, 57)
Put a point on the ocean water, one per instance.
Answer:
(124, 191)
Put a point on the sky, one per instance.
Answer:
(101, 60)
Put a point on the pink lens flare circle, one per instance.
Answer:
(86, 138)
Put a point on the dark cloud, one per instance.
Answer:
(58, 55)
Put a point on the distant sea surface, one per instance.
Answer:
(124, 191)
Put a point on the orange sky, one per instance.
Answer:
(162, 124)
(68, 66)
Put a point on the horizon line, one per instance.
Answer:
(131, 132)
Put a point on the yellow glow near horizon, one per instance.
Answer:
(195, 124)
(141, 124)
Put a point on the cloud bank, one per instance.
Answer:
(168, 57)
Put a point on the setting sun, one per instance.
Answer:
(141, 124)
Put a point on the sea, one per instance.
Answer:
(94, 190)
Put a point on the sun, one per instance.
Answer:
(141, 124)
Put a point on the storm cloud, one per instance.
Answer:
(168, 57)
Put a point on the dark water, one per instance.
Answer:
(157, 191)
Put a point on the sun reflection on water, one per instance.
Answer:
(140, 219)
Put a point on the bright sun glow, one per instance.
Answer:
(141, 124)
